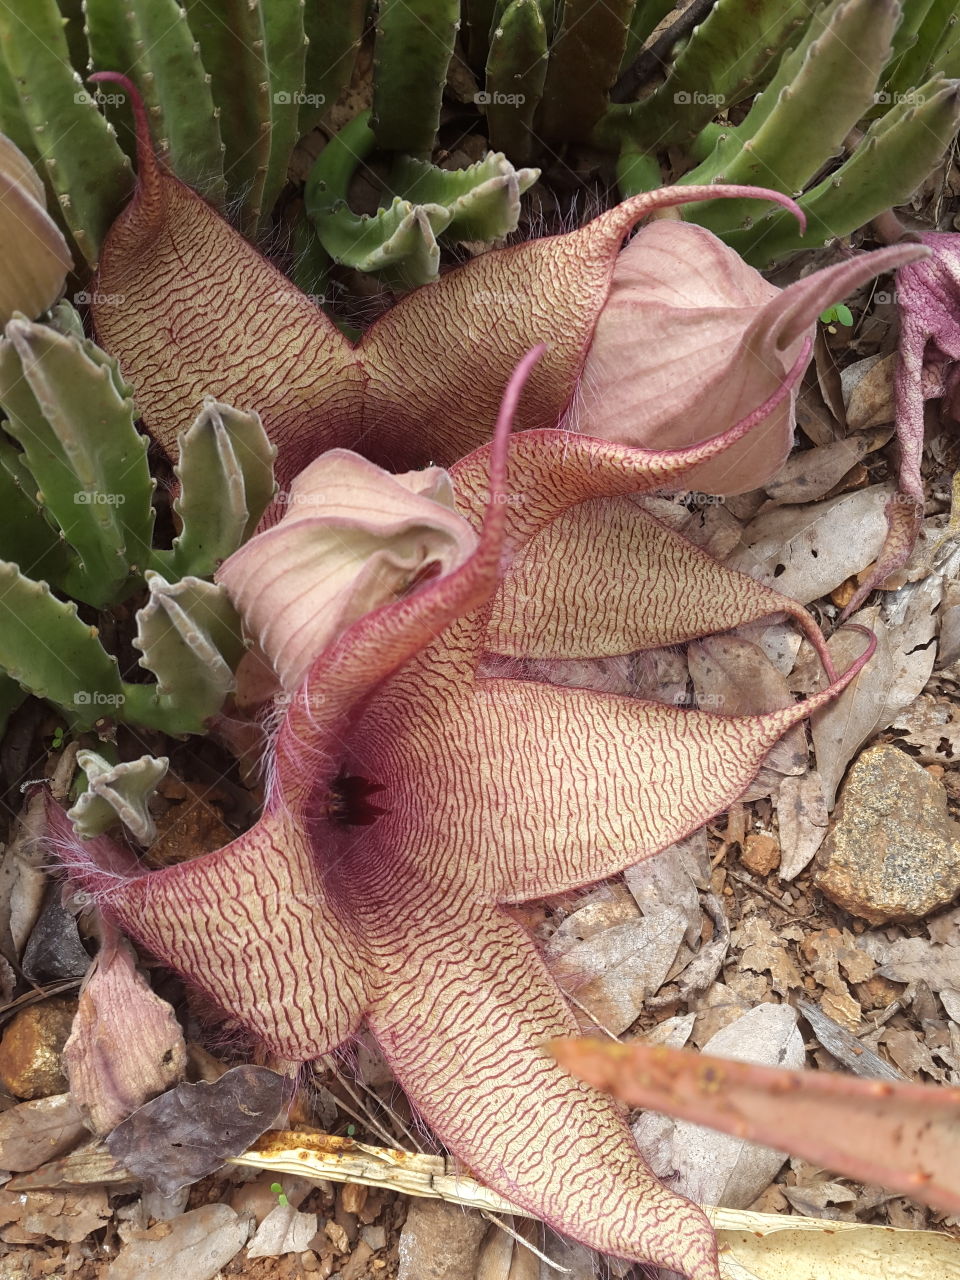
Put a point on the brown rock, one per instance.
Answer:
(32, 1047)
(893, 852)
(440, 1242)
(761, 854)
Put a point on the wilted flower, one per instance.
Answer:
(35, 257)
(928, 300)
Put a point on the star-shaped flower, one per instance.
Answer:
(412, 798)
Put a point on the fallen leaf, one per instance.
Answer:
(734, 677)
(126, 1044)
(806, 552)
(868, 392)
(763, 951)
(69, 1216)
(810, 474)
(284, 1230)
(32, 1133)
(802, 819)
(902, 1136)
(797, 1248)
(917, 960)
(931, 725)
(672, 879)
(712, 1167)
(196, 1246)
(191, 1130)
(861, 709)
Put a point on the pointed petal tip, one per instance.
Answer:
(147, 164)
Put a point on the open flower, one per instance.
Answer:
(411, 797)
(36, 258)
(204, 313)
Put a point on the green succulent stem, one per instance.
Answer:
(516, 73)
(414, 45)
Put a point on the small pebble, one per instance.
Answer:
(375, 1237)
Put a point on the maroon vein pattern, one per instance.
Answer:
(493, 790)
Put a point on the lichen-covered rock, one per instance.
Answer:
(31, 1050)
(893, 852)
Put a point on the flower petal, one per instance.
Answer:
(605, 578)
(462, 1024)
(352, 538)
(191, 309)
(495, 307)
(552, 788)
(36, 258)
(251, 925)
(692, 338)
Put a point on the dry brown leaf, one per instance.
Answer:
(763, 951)
(717, 1168)
(802, 819)
(806, 552)
(868, 392)
(810, 474)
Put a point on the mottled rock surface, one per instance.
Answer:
(31, 1050)
(893, 852)
(440, 1241)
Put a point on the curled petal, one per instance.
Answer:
(352, 538)
(691, 338)
(36, 258)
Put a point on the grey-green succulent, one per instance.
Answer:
(77, 538)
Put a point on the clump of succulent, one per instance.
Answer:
(412, 794)
(77, 537)
(848, 107)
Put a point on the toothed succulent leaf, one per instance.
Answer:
(515, 75)
(51, 653)
(334, 29)
(26, 536)
(189, 637)
(232, 45)
(88, 461)
(225, 470)
(483, 200)
(721, 61)
(585, 56)
(796, 135)
(117, 792)
(398, 242)
(81, 158)
(895, 156)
